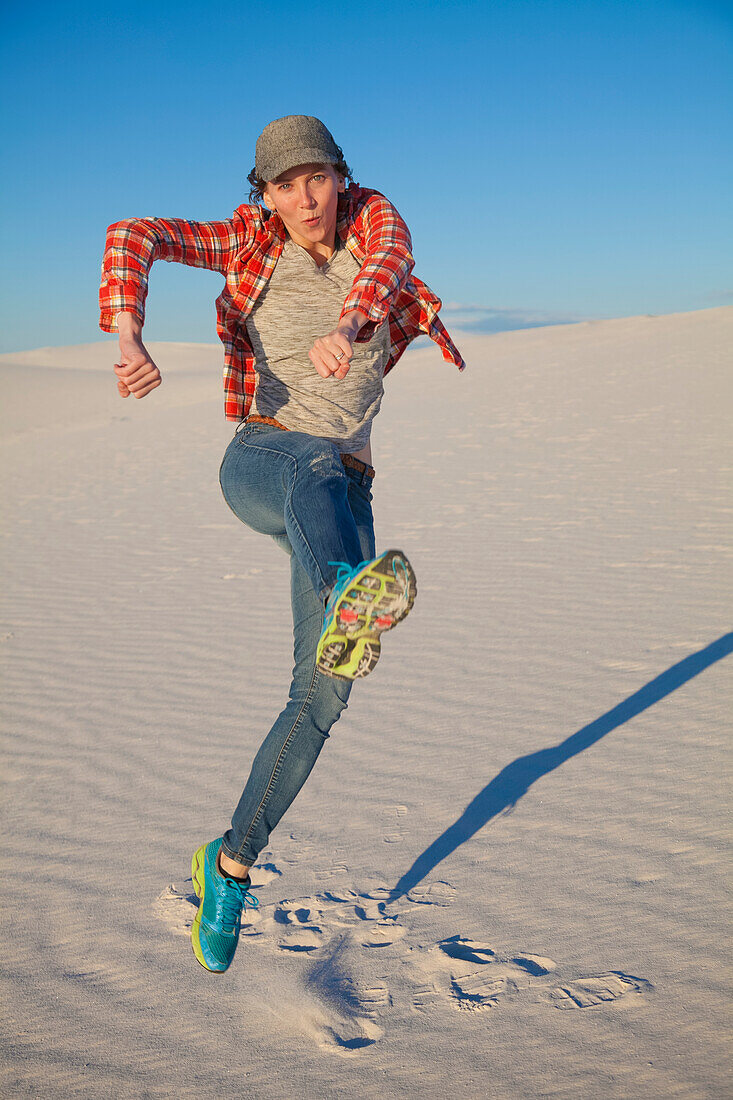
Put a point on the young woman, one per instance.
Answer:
(319, 304)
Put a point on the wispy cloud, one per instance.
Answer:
(718, 297)
(473, 318)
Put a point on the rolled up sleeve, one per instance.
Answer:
(132, 245)
(387, 265)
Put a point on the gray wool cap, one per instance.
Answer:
(290, 141)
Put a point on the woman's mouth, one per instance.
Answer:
(311, 221)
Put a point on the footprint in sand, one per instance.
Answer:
(432, 893)
(355, 999)
(447, 972)
(586, 992)
(478, 991)
(396, 813)
(331, 870)
(470, 975)
(310, 924)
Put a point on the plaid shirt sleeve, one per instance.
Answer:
(387, 264)
(133, 244)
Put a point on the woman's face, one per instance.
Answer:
(306, 198)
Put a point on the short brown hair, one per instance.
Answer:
(257, 185)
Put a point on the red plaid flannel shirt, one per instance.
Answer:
(245, 249)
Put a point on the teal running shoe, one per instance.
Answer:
(215, 931)
(366, 600)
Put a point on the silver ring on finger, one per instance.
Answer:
(340, 356)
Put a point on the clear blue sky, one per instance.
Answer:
(555, 159)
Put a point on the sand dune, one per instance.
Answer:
(506, 875)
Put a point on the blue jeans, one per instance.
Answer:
(294, 487)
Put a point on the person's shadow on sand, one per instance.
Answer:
(513, 781)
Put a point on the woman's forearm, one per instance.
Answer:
(128, 324)
(351, 323)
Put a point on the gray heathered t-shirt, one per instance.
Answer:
(301, 302)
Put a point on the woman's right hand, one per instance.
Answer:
(136, 372)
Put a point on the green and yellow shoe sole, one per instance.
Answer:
(375, 600)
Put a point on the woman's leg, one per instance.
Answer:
(291, 748)
(277, 481)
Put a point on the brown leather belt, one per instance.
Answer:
(348, 460)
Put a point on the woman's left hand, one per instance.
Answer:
(331, 354)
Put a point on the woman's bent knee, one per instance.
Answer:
(325, 700)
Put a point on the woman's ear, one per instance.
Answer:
(341, 183)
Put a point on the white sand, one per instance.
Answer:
(555, 810)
